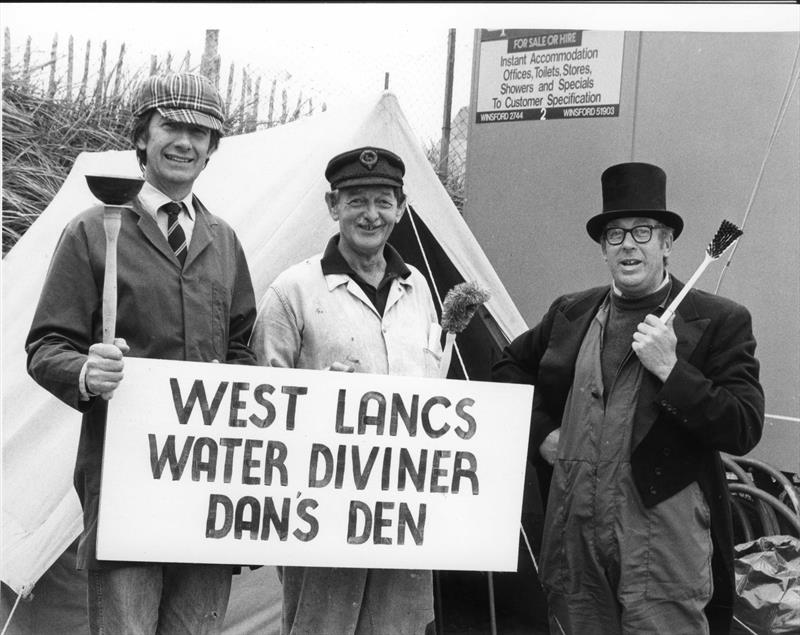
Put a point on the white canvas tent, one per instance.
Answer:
(269, 185)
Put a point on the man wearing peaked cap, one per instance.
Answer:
(356, 307)
(629, 417)
(185, 294)
(365, 166)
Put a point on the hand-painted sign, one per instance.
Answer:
(250, 465)
(528, 74)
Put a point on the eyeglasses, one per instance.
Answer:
(641, 234)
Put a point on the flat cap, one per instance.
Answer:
(365, 166)
(185, 97)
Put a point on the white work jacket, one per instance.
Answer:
(310, 320)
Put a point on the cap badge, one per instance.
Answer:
(368, 158)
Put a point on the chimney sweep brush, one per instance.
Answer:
(726, 235)
(458, 307)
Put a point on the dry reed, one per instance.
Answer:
(41, 139)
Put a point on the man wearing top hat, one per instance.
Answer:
(629, 418)
(356, 307)
(184, 294)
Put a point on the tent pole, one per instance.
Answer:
(530, 550)
(437, 589)
(745, 626)
(492, 618)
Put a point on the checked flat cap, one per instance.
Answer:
(185, 97)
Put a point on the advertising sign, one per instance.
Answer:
(534, 75)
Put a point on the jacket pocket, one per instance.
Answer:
(680, 548)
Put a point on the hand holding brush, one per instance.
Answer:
(726, 235)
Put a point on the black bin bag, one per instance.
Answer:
(767, 574)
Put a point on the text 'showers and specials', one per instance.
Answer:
(535, 75)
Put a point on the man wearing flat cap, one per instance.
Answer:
(357, 307)
(184, 294)
(629, 417)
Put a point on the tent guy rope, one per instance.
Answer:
(11, 614)
(436, 293)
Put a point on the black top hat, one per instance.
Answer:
(365, 166)
(634, 189)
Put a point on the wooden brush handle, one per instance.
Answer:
(687, 287)
(111, 223)
(447, 354)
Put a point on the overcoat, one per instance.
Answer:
(202, 312)
(712, 402)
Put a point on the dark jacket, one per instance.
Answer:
(203, 312)
(712, 402)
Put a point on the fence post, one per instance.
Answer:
(118, 69)
(85, 80)
(296, 113)
(256, 100)
(70, 62)
(271, 110)
(209, 64)
(99, 90)
(229, 96)
(6, 53)
(242, 100)
(444, 149)
(26, 63)
(51, 84)
(246, 113)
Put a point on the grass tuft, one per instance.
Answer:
(41, 139)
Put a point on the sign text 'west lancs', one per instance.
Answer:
(250, 465)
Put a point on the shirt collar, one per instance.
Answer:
(333, 261)
(151, 198)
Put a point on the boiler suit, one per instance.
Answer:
(606, 558)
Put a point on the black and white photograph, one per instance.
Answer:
(400, 318)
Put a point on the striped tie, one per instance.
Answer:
(175, 235)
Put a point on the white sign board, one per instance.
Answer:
(230, 464)
(529, 74)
